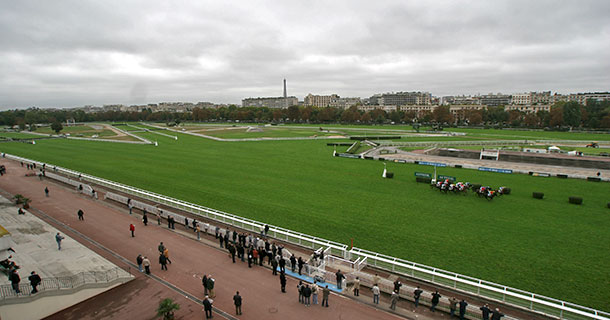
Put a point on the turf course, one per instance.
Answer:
(545, 246)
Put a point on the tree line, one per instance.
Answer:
(596, 114)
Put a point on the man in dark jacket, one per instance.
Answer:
(463, 305)
(306, 294)
(274, 266)
(283, 281)
(15, 279)
(204, 282)
(416, 294)
(293, 263)
(485, 312)
(435, 299)
(163, 262)
(496, 314)
(207, 306)
(237, 302)
(34, 281)
(282, 264)
(340, 278)
(300, 263)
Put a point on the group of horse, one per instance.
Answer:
(486, 192)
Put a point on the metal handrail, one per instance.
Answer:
(63, 283)
(529, 300)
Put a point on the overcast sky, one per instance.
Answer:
(74, 53)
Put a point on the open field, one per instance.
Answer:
(18, 135)
(545, 246)
(79, 131)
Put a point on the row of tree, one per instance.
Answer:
(596, 114)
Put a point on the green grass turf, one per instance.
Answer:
(85, 131)
(18, 135)
(545, 246)
(268, 132)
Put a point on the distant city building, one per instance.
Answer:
(270, 102)
(531, 98)
(417, 109)
(495, 99)
(320, 101)
(377, 107)
(346, 103)
(401, 98)
(460, 111)
(528, 108)
(460, 100)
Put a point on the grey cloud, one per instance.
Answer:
(72, 53)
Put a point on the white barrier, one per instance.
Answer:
(515, 297)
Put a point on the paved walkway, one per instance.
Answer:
(108, 227)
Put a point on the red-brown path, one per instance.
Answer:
(138, 299)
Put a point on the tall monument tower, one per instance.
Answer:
(285, 95)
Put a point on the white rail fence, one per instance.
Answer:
(520, 298)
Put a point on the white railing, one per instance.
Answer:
(523, 299)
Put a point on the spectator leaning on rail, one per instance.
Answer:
(435, 299)
(485, 312)
(463, 305)
(416, 295)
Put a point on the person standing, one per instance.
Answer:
(207, 306)
(340, 278)
(300, 291)
(161, 247)
(204, 283)
(485, 311)
(58, 238)
(283, 281)
(496, 314)
(46, 191)
(274, 266)
(394, 299)
(416, 295)
(81, 214)
(293, 263)
(145, 219)
(139, 260)
(255, 256)
(282, 263)
(300, 263)
(435, 299)
(166, 254)
(314, 292)
(34, 281)
(163, 262)
(325, 294)
(463, 305)
(15, 279)
(211, 283)
(129, 205)
(306, 295)
(237, 302)
(376, 292)
(159, 216)
(221, 239)
(146, 264)
(198, 231)
(357, 286)
(452, 306)
(232, 252)
(132, 228)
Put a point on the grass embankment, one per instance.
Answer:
(545, 246)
